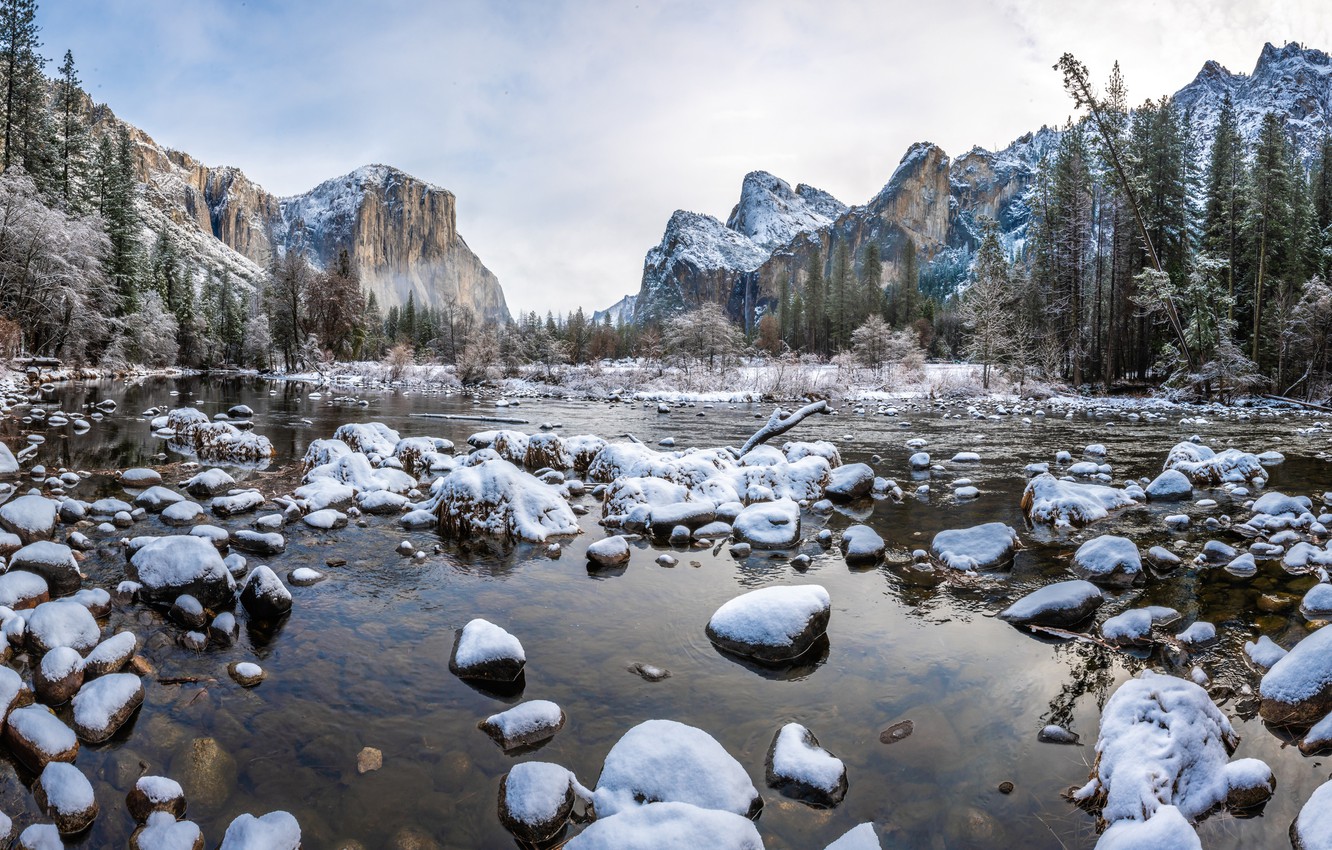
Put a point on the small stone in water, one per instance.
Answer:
(800, 562)
(197, 641)
(667, 560)
(1005, 787)
(369, 759)
(304, 576)
(1053, 734)
(899, 730)
(650, 672)
(246, 673)
(406, 548)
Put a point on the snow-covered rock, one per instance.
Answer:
(1263, 653)
(668, 825)
(20, 590)
(609, 552)
(669, 762)
(31, 517)
(264, 595)
(981, 547)
(862, 837)
(1312, 829)
(1162, 743)
(1108, 560)
(66, 796)
(801, 768)
(1297, 691)
(1206, 468)
(155, 794)
(37, 737)
(486, 652)
(772, 624)
(862, 546)
(62, 622)
(499, 499)
(849, 482)
(58, 676)
(1167, 829)
(104, 704)
(1047, 499)
(525, 724)
(273, 831)
(209, 483)
(769, 525)
(1170, 486)
(1062, 604)
(1134, 627)
(167, 567)
(535, 800)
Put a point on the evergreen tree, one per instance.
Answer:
(1223, 212)
(73, 137)
(20, 76)
(987, 304)
(1268, 219)
(116, 176)
(871, 283)
(841, 298)
(815, 304)
(1321, 191)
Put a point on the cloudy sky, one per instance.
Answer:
(571, 129)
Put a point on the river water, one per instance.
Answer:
(362, 661)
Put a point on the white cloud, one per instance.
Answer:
(571, 130)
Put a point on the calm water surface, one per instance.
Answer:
(363, 658)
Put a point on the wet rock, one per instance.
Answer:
(95, 599)
(65, 795)
(167, 567)
(1062, 604)
(61, 623)
(54, 562)
(273, 831)
(609, 552)
(772, 624)
(980, 547)
(483, 651)
(898, 731)
(304, 577)
(1250, 784)
(862, 546)
(155, 794)
(223, 631)
(59, 676)
(369, 759)
(1163, 559)
(1054, 734)
(31, 517)
(535, 800)
(1170, 486)
(110, 655)
(37, 737)
(104, 704)
(246, 673)
(1297, 691)
(140, 477)
(525, 724)
(849, 482)
(163, 832)
(20, 590)
(259, 543)
(799, 767)
(1108, 560)
(187, 612)
(264, 595)
(649, 672)
(209, 774)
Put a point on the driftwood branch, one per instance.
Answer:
(780, 422)
(1308, 404)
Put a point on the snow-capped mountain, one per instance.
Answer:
(400, 232)
(1292, 80)
(771, 214)
(932, 203)
(620, 313)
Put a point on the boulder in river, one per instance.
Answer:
(536, 799)
(1108, 560)
(264, 595)
(66, 796)
(166, 567)
(54, 562)
(104, 704)
(802, 769)
(485, 652)
(1297, 691)
(1060, 605)
(772, 624)
(525, 724)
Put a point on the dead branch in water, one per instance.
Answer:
(781, 422)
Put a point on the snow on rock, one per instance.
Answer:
(1312, 829)
(535, 800)
(772, 624)
(849, 482)
(802, 769)
(1062, 604)
(525, 724)
(1108, 560)
(62, 623)
(1170, 486)
(104, 704)
(1162, 743)
(183, 513)
(1067, 503)
(20, 590)
(40, 836)
(323, 492)
(58, 676)
(1134, 627)
(162, 831)
(609, 552)
(157, 498)
(486, 652)
(37, 737)
(65, 795)
(167, 567)
(1198, 633)
(1167, 829)
(981, 547)
(241, 502)
(264, 595)
(1206, 468)
(1318, 738)
(110, 655)
(1317, 602)
(861, 837)
(221, 441)
(862, 546)
(497, 498)
(656, 826)
(1263, 653)
(274, 831)
(31, 517)
(155, 794)
(326, 519)
(669, 762)
(368, 438)
(769, 525)
(1297, 691)
(208, 483)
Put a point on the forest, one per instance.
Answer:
(1146, 259)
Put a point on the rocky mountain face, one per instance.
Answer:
(401, 232)
(620, 313)
(931, 203)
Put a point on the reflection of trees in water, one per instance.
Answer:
(1091, 671)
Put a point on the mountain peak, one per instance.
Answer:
(1292, 52)
(771, 213)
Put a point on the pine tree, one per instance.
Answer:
(871, 283)
(1321, 191)
(815, 303)
(73, 137)
(1268, 219)
(20, 75)
(840, 298)
(987, 305)
(1225, 180)
(116, 166)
